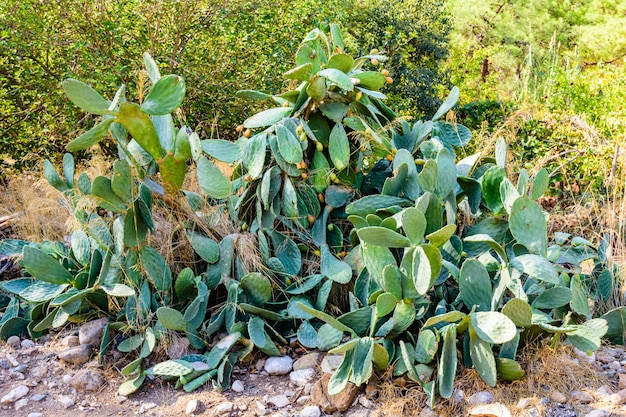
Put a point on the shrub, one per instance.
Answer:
(219, 47)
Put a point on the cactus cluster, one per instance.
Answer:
(374, 240)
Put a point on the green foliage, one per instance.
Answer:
(101, 44)
(552, 71)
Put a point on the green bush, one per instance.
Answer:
(218, 47)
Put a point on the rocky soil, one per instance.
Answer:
(59, 376)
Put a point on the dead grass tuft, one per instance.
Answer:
(546, 369)
(40, 211)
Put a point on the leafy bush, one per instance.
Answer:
(431, 255)
(219, 47)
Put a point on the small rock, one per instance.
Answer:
(4, 364)
(533, 412)
(428, 412)
(597, 413)
(581, 396)
(311, 411)
(359, 413)
(604, 391)
(66, 401)
(259, 364)
(87, 380)
(558, 397)
(523, 403)
(193, 407)
(303, 399)
(14, 342)
(17, 375)
(621, 383)
(260, 406)
(331, 403)
(121, 399)
(35, 415)
(67, 378)
(27, 344)
(458, 396)
(19, 404)
(490, 410)
(302, 376)
(330, 363)
(481, 397)
(615, 365)
(583, 355)
(90, 333)
(38, 397)
(11, 359)
(619, 397)
(310, 360)
(71, 341)
(279, 401)
(278, 365)
(237, 386)
(145, 407)
(224, 408)
(366, 402)
(76, 355)
(15, 394)
(371, 389)
(40, 371)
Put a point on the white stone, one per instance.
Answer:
(27, 344)
(481, 397)
(491, 410)
(35, 415)
(237, 386)
(302, 377)
(14, 342)
(330, 363)
(558, 397)
(38, 397)
(279, 401)
(224, 408)
(67, 378)
(193, 407)
(583, 355)
(15, 394)
(303, 399)
(310, 411)
(581, 397)
(365, 402)
(597, 413)
(146, 406)
(66, 401)
(19, 404)
(278, 365)
(12, 359)
(458, 396)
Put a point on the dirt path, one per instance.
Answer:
(57, 389)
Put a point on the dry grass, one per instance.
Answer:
(547, 370)
(42, 211)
